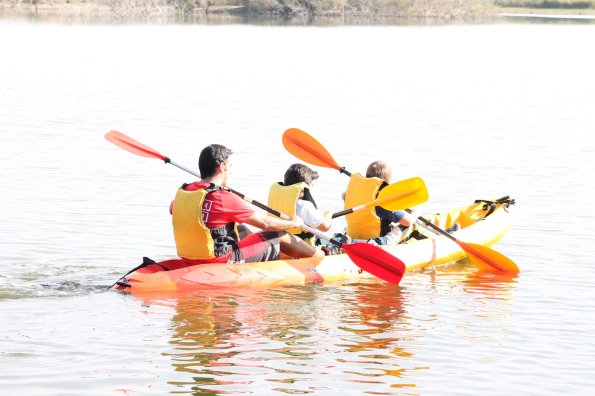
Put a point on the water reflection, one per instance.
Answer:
(291, 339)
(491, 286)
(378, 320)
(551, 19)
(477, 305)
(302, 339)
(486, 285)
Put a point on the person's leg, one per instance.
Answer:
(243, 231)
(295, 247)
(260, 246)
(267, 246)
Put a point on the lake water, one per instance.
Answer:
(477, 111)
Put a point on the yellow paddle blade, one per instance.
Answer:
(307, 149)
(487, 259)
(403, 194)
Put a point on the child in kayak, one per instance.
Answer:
(400, 220)
(293, 196)
(375, 225)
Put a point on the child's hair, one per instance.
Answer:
(298, 173)
(379, 169)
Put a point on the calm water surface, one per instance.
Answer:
(477, 111)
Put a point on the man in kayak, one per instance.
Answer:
(376, 225)
(205, 217)
(294, 197)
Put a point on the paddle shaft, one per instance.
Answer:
(345, 171)
(431, 225)
(376, 202)
(348, 211)
(262, 206)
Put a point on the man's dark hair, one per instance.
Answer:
(210, 158)
(298, 173)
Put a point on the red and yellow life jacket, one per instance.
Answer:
(194, 240)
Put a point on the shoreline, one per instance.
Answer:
(159, 11)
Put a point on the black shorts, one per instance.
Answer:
(260, 246)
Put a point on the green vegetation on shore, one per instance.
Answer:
(438, 9)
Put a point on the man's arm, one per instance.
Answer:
(398, 216)
(272, 223)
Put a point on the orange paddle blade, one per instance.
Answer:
(376, 261)
(308, 149)
(129, 144)
(487, 259)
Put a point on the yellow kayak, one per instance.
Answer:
(481, 222)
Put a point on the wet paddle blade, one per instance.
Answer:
(487, 259)
(129, 144)
(308, 149)
(376, 261)
(403, 194)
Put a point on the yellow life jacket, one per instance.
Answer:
(363, 224)
(194, 240)
(284, 199)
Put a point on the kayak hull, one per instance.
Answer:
(481, 223)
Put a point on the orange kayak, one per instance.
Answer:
(482, 222)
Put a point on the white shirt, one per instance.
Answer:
(311, 216)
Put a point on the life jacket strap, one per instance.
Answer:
(223, 238)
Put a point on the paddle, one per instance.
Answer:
(368, 257)
(308, 149)
(483, 257)
(395, 196)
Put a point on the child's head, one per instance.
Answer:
(379, 169)
(298, 173)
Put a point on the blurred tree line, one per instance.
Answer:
(311, 8)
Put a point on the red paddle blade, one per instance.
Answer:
(489, 260)
(376, 261)
(127, 143)
(308, 149)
